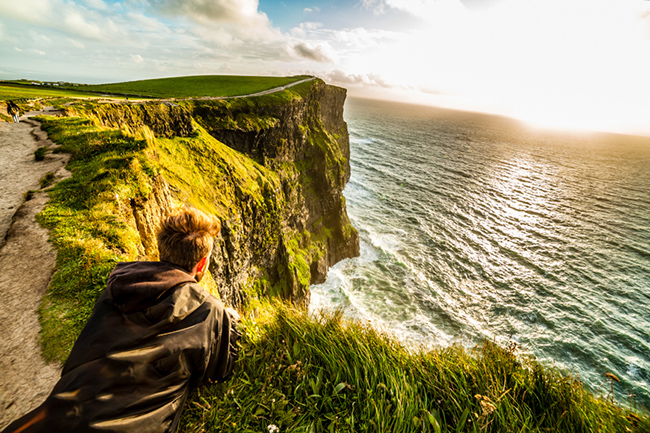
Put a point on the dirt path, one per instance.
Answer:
(264, 92)
(26, 263)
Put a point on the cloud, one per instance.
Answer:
(35, 11)
(225, 29)
(362, 39)
(419, 8)
(431, 90)
(79, 25)
(18, 49)
(39, 38)
(239, 12)
(340, 77)
(75, 43)
(144, 22)
(478, 4)
(96, 4)
(311, 10)
(303, 29)
(136, 58)
(67, 17)
(319, 53)
(343, 42)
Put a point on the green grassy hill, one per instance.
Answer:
(194, 86)
(11, 91)
(176, 87)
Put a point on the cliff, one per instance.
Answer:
(277, 187)
(305, 141)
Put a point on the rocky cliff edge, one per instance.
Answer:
(273, 168)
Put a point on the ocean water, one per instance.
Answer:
(476, 227)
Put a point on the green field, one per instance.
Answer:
(10, 91)
(193, 86)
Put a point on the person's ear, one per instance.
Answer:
(200, 267)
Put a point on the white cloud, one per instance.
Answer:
(75, 43)
(340, 77)
(363, 39)
(304, 28)
(226, 29)
(79, 25)
(18, 49)
(136, 58)
(147, 23)
(39, 38)
(35, 11)
(96, 4)
(239, 12)
(320, 53)
(419, 8)
(344, 43)
(67, 17)
(431, 90)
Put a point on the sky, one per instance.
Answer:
(577, 64)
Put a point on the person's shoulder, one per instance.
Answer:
(203, 295)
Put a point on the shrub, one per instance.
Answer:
(39, 154)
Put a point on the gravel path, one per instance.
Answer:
(26, 263)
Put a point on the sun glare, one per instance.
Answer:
(571, 65)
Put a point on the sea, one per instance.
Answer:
(476, 227)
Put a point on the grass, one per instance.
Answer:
(47, 180)
(14, 91)
(39, 154)
(306, 374)
(240, 113)
(87, 224)
(193, 86)
(211, 174)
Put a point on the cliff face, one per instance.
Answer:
(284, 221)
(306, 142)
(165, 119)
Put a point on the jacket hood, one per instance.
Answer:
(136, 286)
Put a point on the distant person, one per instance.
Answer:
(13, 110)
(153, 334)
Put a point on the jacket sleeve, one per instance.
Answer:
(224, 350)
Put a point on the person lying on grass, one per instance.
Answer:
(153, 334)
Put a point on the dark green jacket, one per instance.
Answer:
(153, 334)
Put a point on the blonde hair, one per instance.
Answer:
(186, 237)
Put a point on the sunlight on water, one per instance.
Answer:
(474, 227)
